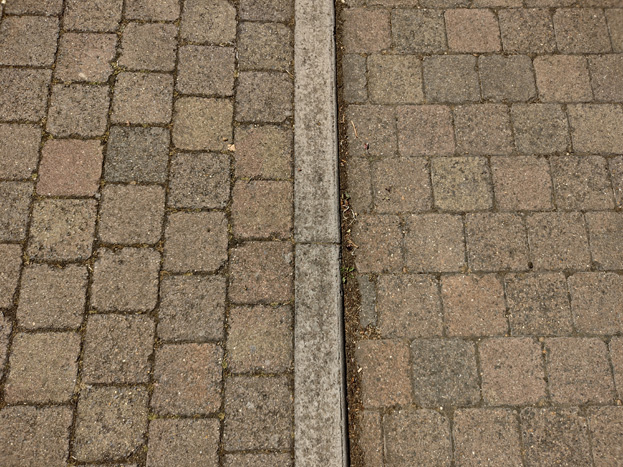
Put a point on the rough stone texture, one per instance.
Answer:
(14, 206)
(263, 151)
(451, 78)
(266, 10)
(395, 79)
(152, 10)
(527, 30)
(193, 442)
(563, 78)
(93, 15)
(540, 128)
(78, 110)
(434, 243)
(372, 130)
(146, 46)
(379, 241)
(422, 131)
(199, 181)
(483, 129)
(85, 57)
(606, 427)
(616, 176)
(605, 231)
(507, 79)
(24, 93)
(596, 302)
(582, 183)
(142, 98)
(392, 194)
(201, 123)
(264, 97)
(418, 31)
(366, 31)
(205, 70)
(596, 128)
(472, 30)
(264, 46)
(607, 81)
(615, 24)
(212, 22)
(522, 183)
(19, 149)
(257, 460)
(10, 264)
(581, 30)
(38, 50)
(461, 184)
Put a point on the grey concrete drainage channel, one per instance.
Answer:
(319, 385)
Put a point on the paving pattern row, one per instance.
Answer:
(484, 195)
(146, 255)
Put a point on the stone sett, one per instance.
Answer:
(117, 349)
(401, 185)
(615, 25)
(563, 78)
(199, 181)
(540, 128)
(202, 124)
(462, 183)
(34, 7)
(474, 31)
(142, 98)
(522, 183)
(395, 79)
(264, 46)
(257, 460)
(606, 428)
(191, 308)
(266, 10)
(581, 30)
(367, 292)
(483, 129)
(77, 109)
(422, 131)
(206, 70)
(616, 176)
(607, 77)
(208, 22)
(187, 379)
(379, 241)
(597, 302)
(451, 78)
(372, 130)
(527, 30)
(264, 97)
(418, 31)
(25, 93)
(6, 327)
(354, 79)
(360, 184)
(14, 210)
(38, 50)
(370, 437)
(10, 264)
(152, 10)
(506, 78)
(616, 356)
(92, 15)
(365, 31)
(263, 151)
(148, 46)
(194, 441)
(19, 150)
(85, 57)
(52, 297)
(596, 128)
(606, 234)
(582, 183)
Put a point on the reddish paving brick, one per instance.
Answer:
(473, 305)
(199, 181)
(195, 241)
(38, 50)
(266, 10)
(409, 306)
(152, 10)
(522, 183)
(212, 22)
(371, 437)
(596, 128)
(261, 272)
(616, 176)
(527, 30)
(259, 339)
(187, 379)
(10, 264)
(483, 129)
(263, 151)
(125, 280)
(558, 241)
(264, 46)
(422, 131)
(512, 371)
(496, 242)
(34, 435)
(191, 308)
(420, 31)
(131, 214)
(148, 46)
(597, 302)
(451, 78)
(257, 460)
(142, 98)
(365, 31)
(70, 168)
(538, 304)
(258, 413)
(417, 437)
(14, 210)
(582, 183)
(384, 370)
(434, 243)
(92, 15)
(117, 349)
(205, 70)
(401, 185)
(581, 30)
(379, 242)
(607, 77)
(34, 7)
(85, 57)
(194, 441)
(615, 25)
(354, 78)
(372, 130)
(52, 297)
(462, 183)
(79, 110)
(486, 437)
(110, 422)
(606, 428)
(472, 30)
(201, 123)
(395, 79)
(264, 97)
(616, 356)
(555, 436)
(606, 234)
(44, 368)
(24, 95)
(563, 78)
(19, 150)
(540, 128)
(506, 78)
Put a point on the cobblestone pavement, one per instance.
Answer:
(146, 256)
(485, 171)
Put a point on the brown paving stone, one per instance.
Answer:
(201, 123)
(578, 371)
(401, 185)
(616, 176)
(52, 297)
(597, 302)
(258, 413)
(85, 57)
(418, 31)
(395, 79)
(472, 30)
(434, 243)
(496, 242)
(261, 272)
(152, 10)
(263, 151)
(461, 183)
(10, 264)
(540, 128)
(117, 349)
(607, 77)
(14, 210)
(257, 460)
(92, 15)
(512, 371)
(266, 10)
(38, 50)
(367, 291)
(264, 97)
(148, 46)
(34, 435)
(553, 436)
(62, 229)
(110, 422)
(483, 129)
(6, 326)
(359, 184)
(365, 31)
(486, 437)
(44, 368)
(444, 372)
(191, 442)
(354, 78)
(581, 30)
(417, 437)
(191, 308)
(125, 280)
(527, 30)
(375, 128)
(370, 437)
(206, 70)
(259, 339)
(451, 78)
(473, 305)
(24, 93)
(384, 369)
(606, 238)
(497, 3)
(443, 3)
(606, 428)
(199, 181)
(616, 356)
(19, 150)
(563, 78)
(195, 241)
(78, 110)
(422, 131)
(596, 128)
(379, 241)
(538, 304)
(262, 209)
(409, 306)
(615, 25)
(34, 7)
(264, 46)
(187, 379)
(582, 183)
(131, 214)
(522, 183)
(142, 98)
(137, 155)
(70, 168)
(558, 241)
(213, 22)
(506, 78)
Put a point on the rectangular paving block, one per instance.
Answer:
(85, 57)
(14, 210)
(401, 185)
(19, 150)
(195, 441)
(522, 183)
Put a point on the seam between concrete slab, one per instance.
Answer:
(320, 421)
